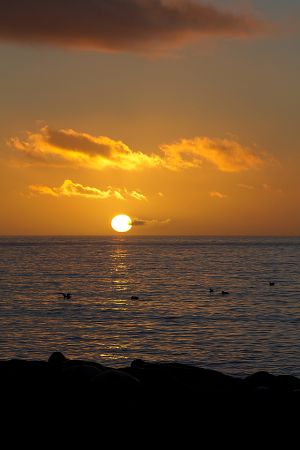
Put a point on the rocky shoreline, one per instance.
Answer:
(140, 385)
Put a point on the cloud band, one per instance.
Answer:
(71, 189)
(72, 149)
(119, 25)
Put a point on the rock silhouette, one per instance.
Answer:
(142, 386)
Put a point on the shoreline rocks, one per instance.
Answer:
(141, 386)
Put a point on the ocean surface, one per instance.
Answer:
(255, 327)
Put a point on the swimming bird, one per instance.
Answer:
(134, 297)
(225, 293)
(67, 295)
(272, 283)
(211, 290)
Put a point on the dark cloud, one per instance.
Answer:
(76, 142)
(139, 223)
(143, 222)
(119, 25)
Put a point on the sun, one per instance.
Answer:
(121, 223)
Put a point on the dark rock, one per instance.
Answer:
(200, 379)
(57, 359)
(138, 363)
(116, 379)
(280, 383)
(116, 388)
(259, 379)
(80, 374)
(165, 387)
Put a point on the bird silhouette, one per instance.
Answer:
(134, 297)
(211, 290)
(67, 295)
(225, 293)
(272, 283)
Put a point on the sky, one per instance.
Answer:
(183, 114)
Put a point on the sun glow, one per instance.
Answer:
(121, 223)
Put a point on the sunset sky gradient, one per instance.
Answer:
(182, 114)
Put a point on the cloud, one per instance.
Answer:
(268, 188)
(71, 189)
(138, 222)
(136, 195)
(70, 148)
(120, 25)
(227, 155)
(217, 194)
(248, 187)
(263, 187)
(143, 222)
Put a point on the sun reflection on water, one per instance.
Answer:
(119, 268)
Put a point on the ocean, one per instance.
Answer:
(176, 319)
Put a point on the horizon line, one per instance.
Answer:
(151, 235)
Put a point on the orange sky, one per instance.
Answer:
(189, 129)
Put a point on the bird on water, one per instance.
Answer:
(225, 293)
(67, 295)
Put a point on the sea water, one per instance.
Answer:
(176, 318)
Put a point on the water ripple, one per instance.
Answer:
(255, 327)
